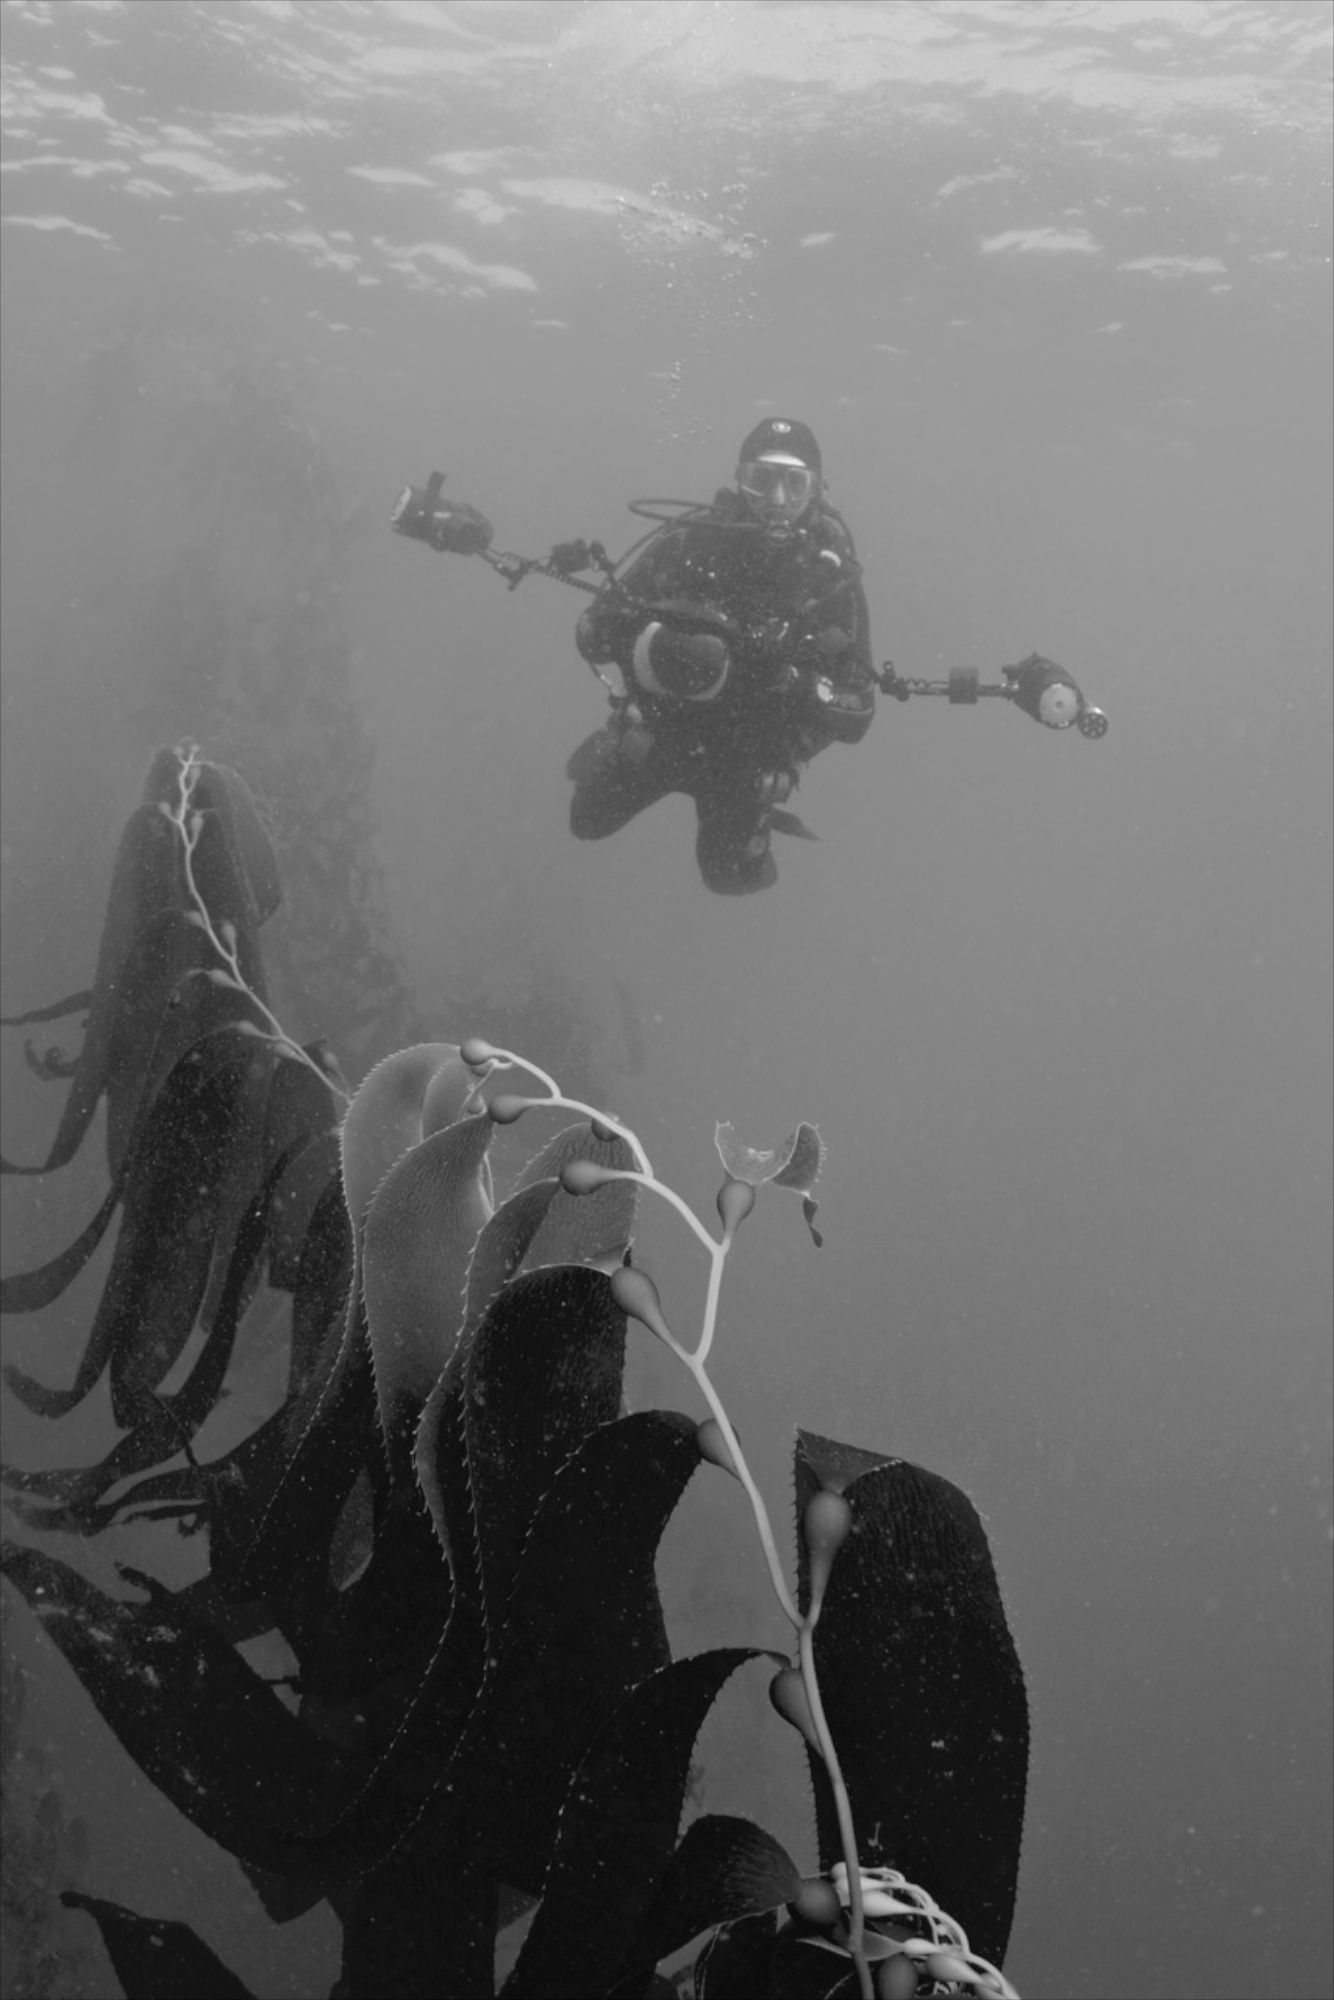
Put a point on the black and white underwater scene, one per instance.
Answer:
(666, 999)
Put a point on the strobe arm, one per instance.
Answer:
(1041, 688)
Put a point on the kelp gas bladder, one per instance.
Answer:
(452, 1523)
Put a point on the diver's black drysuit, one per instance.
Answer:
(794, 675)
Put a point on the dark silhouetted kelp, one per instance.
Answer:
(453, 1522)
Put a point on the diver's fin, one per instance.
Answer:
(782, 821)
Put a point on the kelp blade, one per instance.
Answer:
(920, 1679)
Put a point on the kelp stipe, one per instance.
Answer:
(452, 1526)
(188, 820)
(826, 1519)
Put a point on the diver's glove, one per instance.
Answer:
(594, 635)
(1045, 691)
(684, 666)
(457, 529)
(775, 788)
(838, 713)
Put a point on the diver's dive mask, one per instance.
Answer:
(778, 489)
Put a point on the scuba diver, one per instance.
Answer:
(742, 638)
(766, 661)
